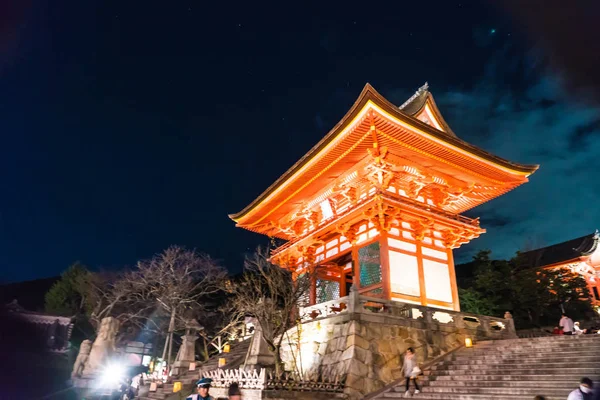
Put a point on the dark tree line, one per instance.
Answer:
(536, 297)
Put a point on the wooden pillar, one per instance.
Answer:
(384, 260)
(454, 287)
(313, 290)
(342, 281)
(355, 267)
(422, 289)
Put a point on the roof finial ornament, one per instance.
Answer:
(418, 93)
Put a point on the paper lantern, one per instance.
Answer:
(468, 342)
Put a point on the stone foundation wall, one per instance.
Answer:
(365, 345)
(368, 355)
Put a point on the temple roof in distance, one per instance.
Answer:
(563, 252)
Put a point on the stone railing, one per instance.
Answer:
(356, 306)
(263, 380)
(291, 381)
(479, 326)
(326, 309)
(223, 378)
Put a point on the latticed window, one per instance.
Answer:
(327, 290)
(370, 264)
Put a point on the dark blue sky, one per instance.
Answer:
(130, 126)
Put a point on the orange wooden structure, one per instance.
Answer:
(581, 256)
(377, 203)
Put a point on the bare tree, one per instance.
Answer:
(176, 281)
(271, 295)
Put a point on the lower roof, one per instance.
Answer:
(562, 252)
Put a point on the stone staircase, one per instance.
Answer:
(515, 369)
(234, 359)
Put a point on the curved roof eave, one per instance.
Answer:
(369, 93)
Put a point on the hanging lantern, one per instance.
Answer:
(226, 348)
(222, 362)
(468, 342)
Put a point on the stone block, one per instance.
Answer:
(384, 346)
(337, 331)
(355, 382)
(353, 394)
(360, 354)
(353, 328)
(348, 353)
(358, 368)
(369, 358)
(403, 332)
(355, 340)
(378, 360)
(373, 331)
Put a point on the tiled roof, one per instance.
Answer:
(560, 252)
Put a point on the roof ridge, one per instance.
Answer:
(419, 91)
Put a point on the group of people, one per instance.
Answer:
(203, 387)
(566, 326)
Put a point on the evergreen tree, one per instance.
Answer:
(65, 296)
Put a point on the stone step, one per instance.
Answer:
(564, 392)
(543, 339)
(511, 369)
(159, 394)
(503, 377)
(456, 396)
(558, 371)
(590, 360)
(553, 383)
(541, 346)
(553, 357)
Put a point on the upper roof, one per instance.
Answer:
(347, 143)
(562, 252)
(416, 104)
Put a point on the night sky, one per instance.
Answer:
(127, 127)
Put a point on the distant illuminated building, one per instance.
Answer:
(581, 256)
(377, 203)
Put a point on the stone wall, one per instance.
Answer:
(364, 344)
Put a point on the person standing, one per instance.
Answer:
(234, 392)
(411, 370)
(566, 324)
(202, 388)
(584, 392)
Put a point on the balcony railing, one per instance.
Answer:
(367, 308)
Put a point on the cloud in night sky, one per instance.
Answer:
(536, 123)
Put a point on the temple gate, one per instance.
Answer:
(377, 203)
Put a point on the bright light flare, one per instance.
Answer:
(112, 374)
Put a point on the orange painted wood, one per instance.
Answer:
(384, 259)
(451, 271)
(422, 289)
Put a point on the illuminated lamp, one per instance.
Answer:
(226, 348)
(176, 387)
(222, 362)
(468, 342)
